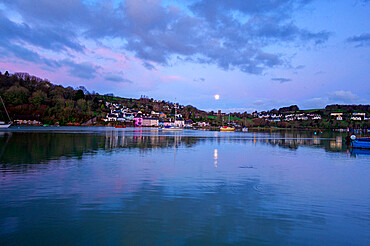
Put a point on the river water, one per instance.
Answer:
(134, 186)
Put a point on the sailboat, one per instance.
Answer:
(2, 123)
(227, 128)
(173, 128)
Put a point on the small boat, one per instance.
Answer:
(2, 123)
(227, 129)
(360, 142)
(172, 128)
(244, 129)
(120, 127)
(357, 151)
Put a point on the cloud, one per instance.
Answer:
(360, 40)
(300, 67)
(199, 80)
(342, 97)
(8, 50)
(117, 78)
(149, 66)
(259, 102)
(50, 38)
(281, 80)
(336, 97)
(317, 102)
(84, 70)
(229, 34)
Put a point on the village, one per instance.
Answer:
(120, 114)
(132, 117)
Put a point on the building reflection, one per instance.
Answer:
(38, 147)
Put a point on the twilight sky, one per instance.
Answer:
(256, 54)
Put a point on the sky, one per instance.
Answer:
(256, 55)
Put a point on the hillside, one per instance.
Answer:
(31, 98)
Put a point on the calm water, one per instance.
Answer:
(106, 186)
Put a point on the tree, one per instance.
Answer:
(79, 95)
(81, 104)
(38, 97)
(16, 95)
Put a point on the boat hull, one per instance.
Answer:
(172, 129)
(4, 126)
(361, 144)
(227, 129)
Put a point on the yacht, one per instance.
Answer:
(2, 123)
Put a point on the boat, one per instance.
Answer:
(172, 128)
(120, 127)
(227, 129)
(357, 151)
(2, 123)
(244, 129)
(360, 142)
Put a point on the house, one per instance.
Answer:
(146, 121)
(203, 124)
(111, 117)
(155, 114)
(165, 123)
(138, 121)
(336, 114)
(129, 116)
(188, 123)
(120, 117)
(179, 123)
(150, 121)
(302, 118)
(359, 115)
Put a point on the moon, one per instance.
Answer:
(217, 97)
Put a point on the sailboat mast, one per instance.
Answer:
(6, 111)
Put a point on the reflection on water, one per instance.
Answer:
(93, 186)
(215, 156)
(39, 146)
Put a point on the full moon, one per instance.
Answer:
(217, 97)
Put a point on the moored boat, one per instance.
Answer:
(360, 142)
(172, 128)
(227, 129)
(2, 123)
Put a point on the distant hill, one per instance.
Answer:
(32, 98)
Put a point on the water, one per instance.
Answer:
(106, 186)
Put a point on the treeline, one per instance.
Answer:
(29, 97)
(348, 108)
